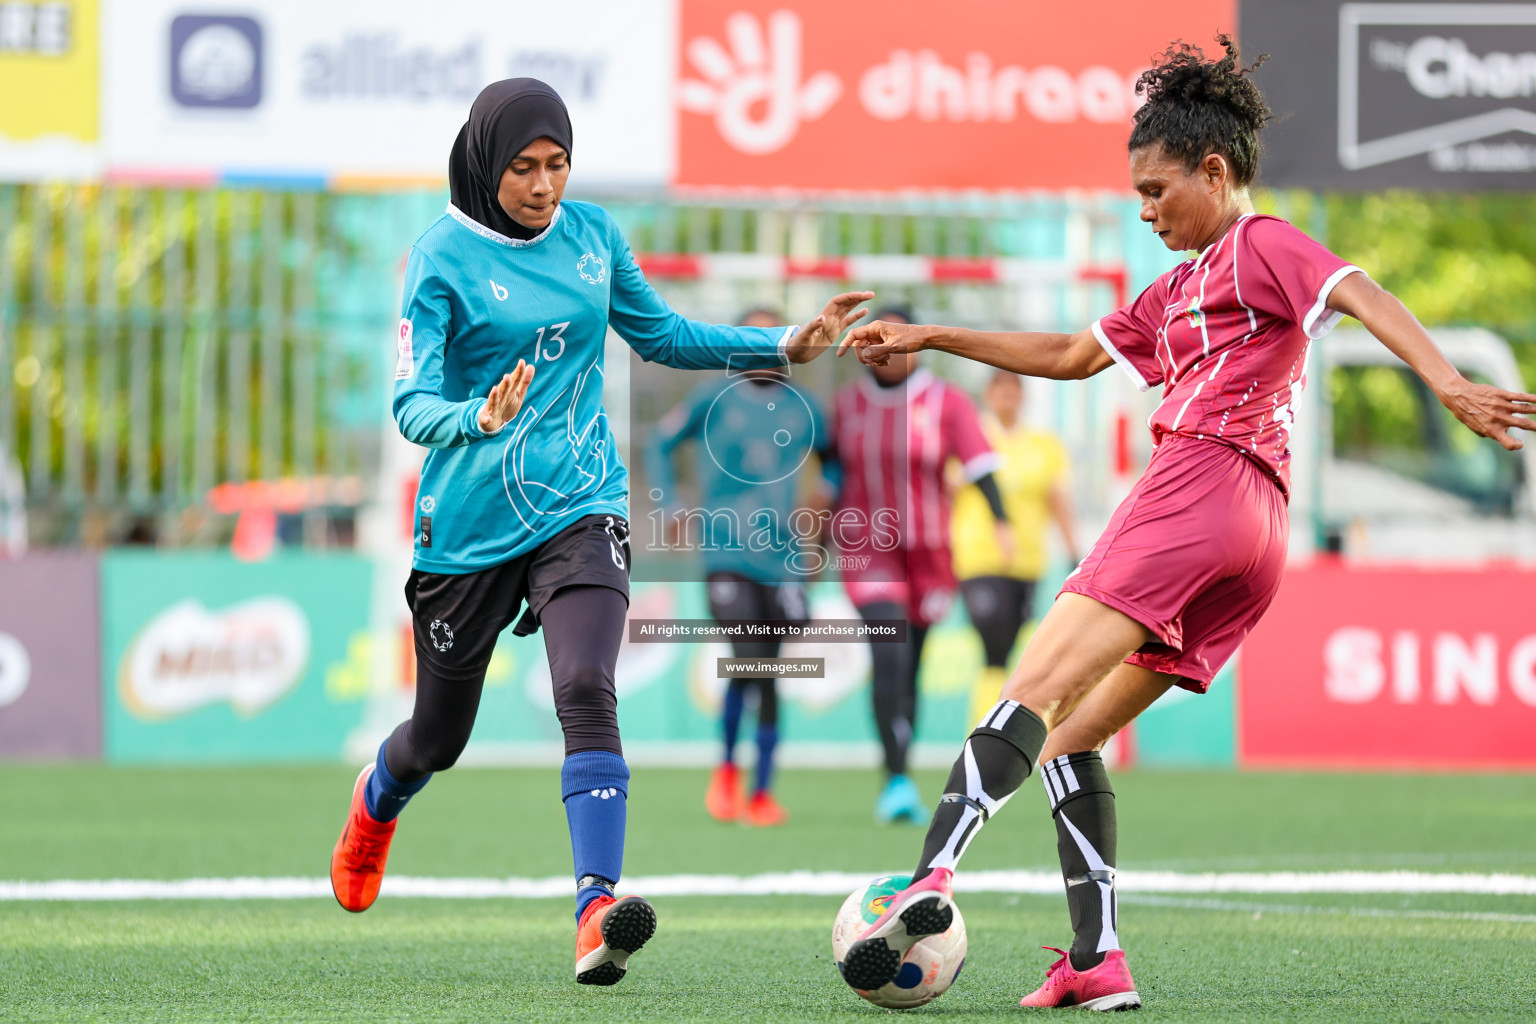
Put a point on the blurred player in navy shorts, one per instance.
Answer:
(753, 433)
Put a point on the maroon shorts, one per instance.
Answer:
(920, 580)
(1194, 553)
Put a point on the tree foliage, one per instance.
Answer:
(1455, 259)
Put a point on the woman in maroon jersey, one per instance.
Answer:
(1193, 556)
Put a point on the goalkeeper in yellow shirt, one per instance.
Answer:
(998, 568)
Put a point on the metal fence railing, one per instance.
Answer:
(157, 342)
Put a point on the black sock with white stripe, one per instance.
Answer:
(997, 758)
(1083, 804)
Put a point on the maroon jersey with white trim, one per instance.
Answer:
(1226, 334)
(893, 444)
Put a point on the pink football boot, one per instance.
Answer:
(1105, 987)
(921, 909)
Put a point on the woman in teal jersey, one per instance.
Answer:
(523, 501)
(754, 432)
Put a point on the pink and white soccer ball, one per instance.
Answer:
(929, 967)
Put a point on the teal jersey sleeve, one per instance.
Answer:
(683, 423)
(422, 412)
(644, 320)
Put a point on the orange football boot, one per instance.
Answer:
(723, 798)
(764, 811)
(357, 863)
(609, 934)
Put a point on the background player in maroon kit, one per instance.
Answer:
(894, 430)
(1193, 556)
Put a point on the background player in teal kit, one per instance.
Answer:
(754, 433)
(523, 499)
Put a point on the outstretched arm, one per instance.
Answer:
(1035, 354)
(658, 334)
(684, 422)
(822, 333)
(1485, 410)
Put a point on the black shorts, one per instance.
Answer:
(1005, 598)
(736, 598)
(458, 616)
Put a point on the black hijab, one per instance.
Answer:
(504, 119)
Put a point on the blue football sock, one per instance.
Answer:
(384, 796)
(735, 704)
(595, 786)
(767, 739)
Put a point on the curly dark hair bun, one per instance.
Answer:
(1195, 107)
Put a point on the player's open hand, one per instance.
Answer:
(822, 333)
(1491, 411)
(875, 343)
(506, 398)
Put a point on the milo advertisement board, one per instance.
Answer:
(209, 658)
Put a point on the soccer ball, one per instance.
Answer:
(929, 967)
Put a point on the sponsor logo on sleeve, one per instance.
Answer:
(405, 364)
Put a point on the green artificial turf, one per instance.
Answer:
(1196, 958)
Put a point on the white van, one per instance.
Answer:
(1384, 472)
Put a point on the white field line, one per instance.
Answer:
(1257, 909)
(790, 883)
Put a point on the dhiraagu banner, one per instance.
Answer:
(210, 659)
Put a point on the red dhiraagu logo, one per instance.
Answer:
(753, 85)
(248, 655)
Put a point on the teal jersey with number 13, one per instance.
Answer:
(475, 303)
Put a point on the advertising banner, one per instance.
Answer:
(348, 94)
(48, 89)
(980, 95)
(670, 694)
(50, 667)
(208, 658)
(1406, 95)
(1190, 730)
(1392, 668)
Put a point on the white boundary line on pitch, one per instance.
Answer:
(789, 883)
(1257, 909)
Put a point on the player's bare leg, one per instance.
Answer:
(1123, 695)
(1093, 973)
(1077, 644)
